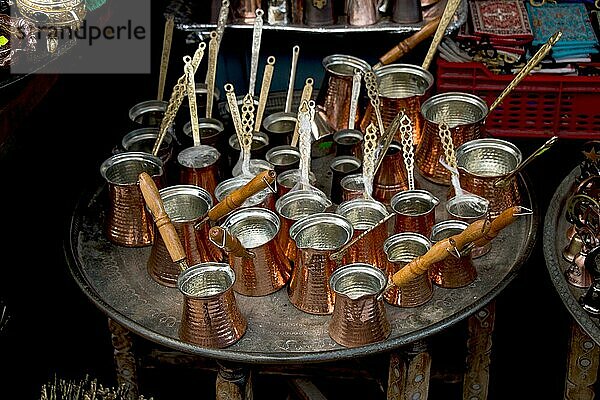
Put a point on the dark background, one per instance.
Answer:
(55, 330)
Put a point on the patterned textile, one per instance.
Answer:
(500, 18)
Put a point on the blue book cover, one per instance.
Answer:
(571, 18)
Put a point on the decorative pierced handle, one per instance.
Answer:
(213, 48)
(191, 94)
(305, 115)
(264, 92)
(306, 95)
(166, 52)
(406, 137)
(369, 156)
(292, 82)
(234, 111)
(176, 99)
(373, 93)
(222, 20)
(247, 130)
(446, 138)
(256, 38)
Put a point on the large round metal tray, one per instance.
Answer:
(555, 240)
(116, 280)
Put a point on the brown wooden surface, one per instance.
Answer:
(161, 218)
(410, 42)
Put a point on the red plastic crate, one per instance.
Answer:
(541, 105)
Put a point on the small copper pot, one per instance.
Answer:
(148, 113)
(482, 162)
(210, 317)
(185, 205)
(288, 179)
(317, 237)
(391, 177)
(199, 165)
(363, 214)
(340, 167)
(143, 139)
(400, 249)
(415, 211)
(128, 221)
(265, 198)
(359, 315)
(402, 87)
(280, 127)
(269, 270)
(452, 272)
(283, 158)
(353, 187)
(258, 148)
(348, 142)
(212, 133)
(465, 115)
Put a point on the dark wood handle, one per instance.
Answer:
(439, 251)
(409, 43)
(237, 197)
(226, 241)
(507, 217)
(161, 218)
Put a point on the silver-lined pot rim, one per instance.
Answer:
(353, 61)
(282, 149)
(204, 123)
(144, 133)
(242, 213)
(408, 69)
(476, 144)
(444, 225)
(169, 192)
(130, 156)
(192, 271)
(296, 195)
(318, 218)
(194, 149)
(421, 193)
(402, 236)
(454, 96)
(147, 106)
(348, 205)
(362, 268)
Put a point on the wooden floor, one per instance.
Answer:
(55, 330)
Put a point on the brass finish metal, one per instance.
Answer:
(211, 71)
(414, 211)
(447, 15)
(256, 39)
(391, 178)
(264, 92)
(166, 51)
(305, 97)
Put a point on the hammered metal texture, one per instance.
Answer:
(481, 163)
(402, 87)
(465, 115)
(400, 249)
(317, 237)
(352, 187)
(391, 177)
(205, 174)
(143, 140)
(129, 222)
(359, 315)
(269, 270)
(210, 317)
(335, 93)
(185, 205)
(415, 211)
(452, 272)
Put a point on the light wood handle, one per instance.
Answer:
(237, 197)
(439, 251)
(507, 217)
(409, 43)
(229, 243)
(161, 218)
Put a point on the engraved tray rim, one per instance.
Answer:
(73, 245)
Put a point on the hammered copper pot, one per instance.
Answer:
(481, 163)
(391, 177)
(359, 315)
(128, 221)
(452, 272)
(402, 87)
(199, 165)
(210, 317)
(415, 211)
(317, 236)
(269, 269)
(148, 113)
(464, 114)
(185, 205)
(400, 249)
(264, 198)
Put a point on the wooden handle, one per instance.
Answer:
(409, 43)
(237, 197)
(507, 217)
(226, 241)
(440, 251)
(161, 218)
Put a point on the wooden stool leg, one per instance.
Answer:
(233, 382)
(479, 347)
(125, 363)
(582, 367)
(409, 373)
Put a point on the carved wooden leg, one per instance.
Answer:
(409, 374)
(125, 363)
(479, 347)
(233, 382)
(582, 367)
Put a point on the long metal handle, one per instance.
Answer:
(306, 95)
(356, 80)
(264, 92)
(502, 182)
(533, 61)
(256, 39)
(164, 59)
(211, 72)
(447, 15)
(290, 93)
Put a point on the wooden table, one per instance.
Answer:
(115, 279)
